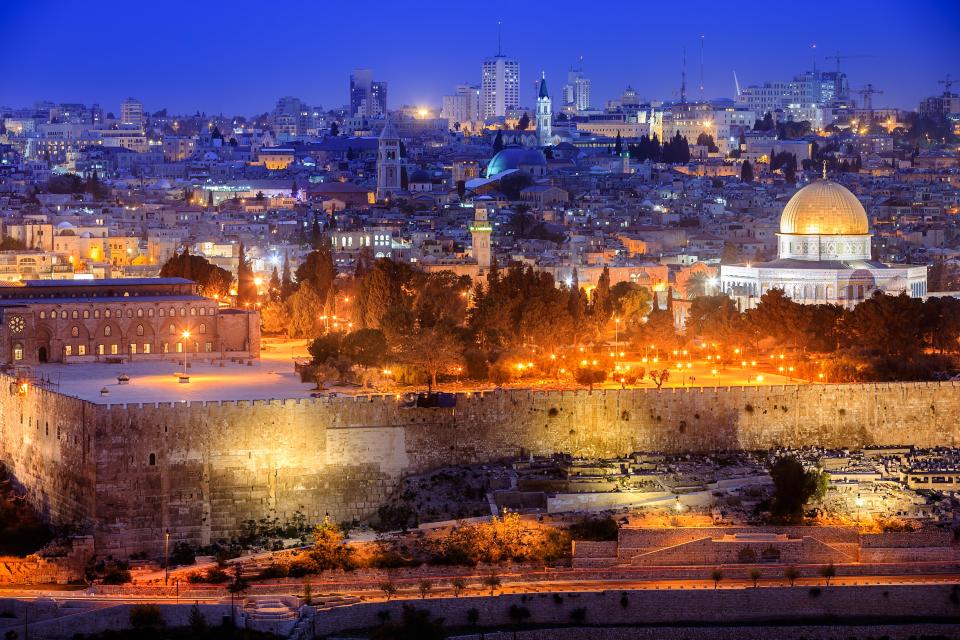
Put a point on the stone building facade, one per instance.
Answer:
(113, 319)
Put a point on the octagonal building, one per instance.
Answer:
(824, 255)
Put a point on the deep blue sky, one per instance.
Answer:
(238, 57)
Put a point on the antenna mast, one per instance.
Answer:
(683, 78)
(499, 38)
(701, 67)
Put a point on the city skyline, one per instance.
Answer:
(190, 62)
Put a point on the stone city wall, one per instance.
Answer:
(201, 469)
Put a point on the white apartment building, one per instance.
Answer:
(463, 106)
(499, 87)
(131, 114)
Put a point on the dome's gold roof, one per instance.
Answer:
(824, 208)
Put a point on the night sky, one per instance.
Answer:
(238, 57)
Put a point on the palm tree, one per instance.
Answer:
(696, 285)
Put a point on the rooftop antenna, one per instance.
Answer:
(499, 38)
(947, 83)
(736, 83)
(701, 67)
(683, 78)
(814, 48)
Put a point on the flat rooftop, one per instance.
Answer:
(151, 381)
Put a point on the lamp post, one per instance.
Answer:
(186, 337)
(166, 557)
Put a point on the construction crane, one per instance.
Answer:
(867, 94)
(838, 57)
(947, 83)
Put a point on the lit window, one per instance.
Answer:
(106, 313)
(203, 328)
(114, 349)
(108, 331)
(68, 350)
(133, 348)
(146, 347)
(139, 329)
(208, 347)
(100, 350)
(82, 350)
(179, 347)
(74, 332)
(86, 315)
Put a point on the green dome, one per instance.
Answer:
(514, 157)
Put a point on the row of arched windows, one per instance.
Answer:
(108, 330)
(140, 313)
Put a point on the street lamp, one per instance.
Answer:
(859, 503)
(166, 557)
(186, 336)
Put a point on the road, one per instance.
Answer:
(410, 590)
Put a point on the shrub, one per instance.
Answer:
(145, 616)
(117, 575)
(274, 571)
(518, 614)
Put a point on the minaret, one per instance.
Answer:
(480, 231)
(388, 162)
(544, 113)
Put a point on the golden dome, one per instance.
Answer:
(824, 208)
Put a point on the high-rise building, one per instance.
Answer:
(576, 93)
(131, 113)
(367, 98)
(809, 96)
(389, 163)
(293, 117)
(544, 114)
(499, 86)
(463, 106)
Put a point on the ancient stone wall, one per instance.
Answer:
(201, 469)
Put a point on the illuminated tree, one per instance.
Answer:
(246, 288)
(659, 376)
(211, 279)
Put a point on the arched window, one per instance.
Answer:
(86, 314)
(74, 331)
(203, 311)
(139, 313)
(108, 330)
(63, 315)
(163, 312)
(152, 460)
(139, 329)
(150, 313)
(75, 314)
(43, 315)
(173, 312)
(203, 329)
(173, 330)
(183, 311)
(193, 311)
(129, 313)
